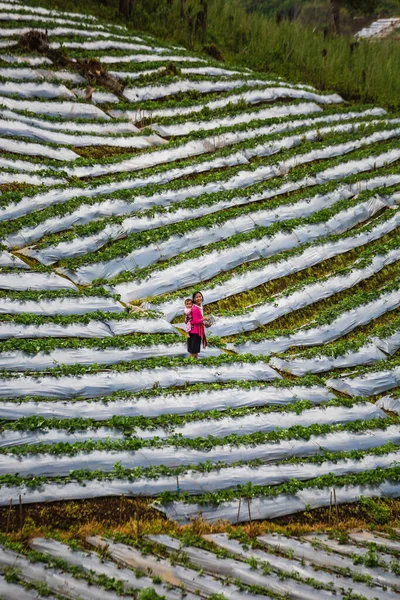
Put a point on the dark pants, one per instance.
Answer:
(194, 343)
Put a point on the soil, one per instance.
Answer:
(90, 68)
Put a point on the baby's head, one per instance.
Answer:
(188, 303)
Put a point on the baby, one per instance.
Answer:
(188, 315)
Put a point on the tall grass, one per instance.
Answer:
(361, 71)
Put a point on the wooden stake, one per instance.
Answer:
(248, 506)
(9, 516)
(20, 512)
(238, 515)
(336, 507)
(330, 506)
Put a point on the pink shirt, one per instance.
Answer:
(188, 320)
(197, 320)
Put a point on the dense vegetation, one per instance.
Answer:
(358, 70)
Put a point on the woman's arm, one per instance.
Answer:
(197, 317)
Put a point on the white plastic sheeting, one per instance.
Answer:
(19, 74)
(183, 577)
(198, 147)
(272, 584)
(178, 404)
(212, 71)
(96, 97)
(389, 403)
(308, 294)
(250, 97)
(343, 324)
(378, 27)
(44, 11)
(305, 571)
(71, 126)
(255, 277)
(22, 361)
(366, 355)
(192, 271)
(33, 281)
(390, 344)
(140, 58)
(142, 257)
(369, 384)
(267, 113)
(366, 537)
(105, 44)
(93, 563)
(30, 60)
(386, 561)
(65, 110)
(303, 550)
(93, 329)
(266, 422)
(171, 456)
(9, 260)
(163, 250)
(15, 128)
(12, 591)
(273, 112)
(35, 90)
(21, 165)
(153, 92)
(196, 483)
(25, 178)
(35, 149)
(277, 506)
(78, 305)
(91, 385)
(55, 580)
(59, 196)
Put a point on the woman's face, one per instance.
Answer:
(198, 299)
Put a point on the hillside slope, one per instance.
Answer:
(131, 183)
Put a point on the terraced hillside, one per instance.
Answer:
(214, 566)
(129, 183)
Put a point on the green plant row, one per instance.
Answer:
(59, 210)
(119, 472)
(364, 259)
(132, 444)
(343, 347)
(328, 138)
(40, 295)
(141, 240)
(225, 278)
(46, 345)
(320, 122)
(307, 381)
(78, 572)
(389, 364)
(33, 319)
(185, 99)
(166, 421)
(373, 477)
(255, 234)
(17, 196)
(249, 143)
(161, 234)
(149, 363)
(333, 309)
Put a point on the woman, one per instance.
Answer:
(197, 333)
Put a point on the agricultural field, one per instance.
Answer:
(134, 173)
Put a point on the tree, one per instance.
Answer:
(125, 7)
(182, 9)
(335, 17)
